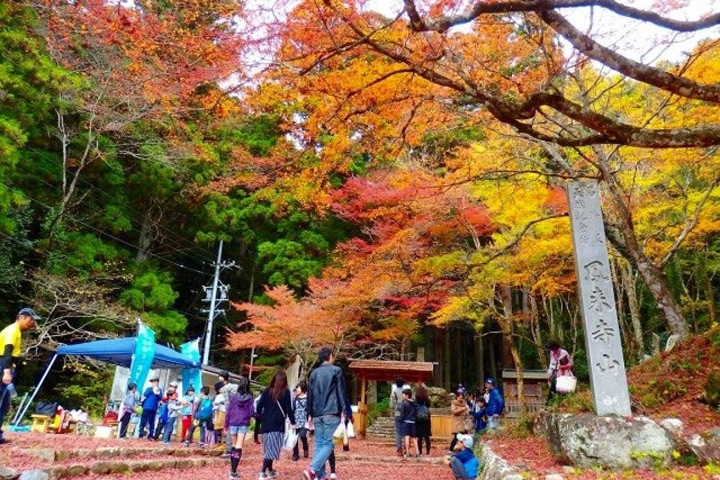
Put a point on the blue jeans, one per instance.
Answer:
(398, 434)
(325, 427)
(4, 404)
(458, 469)
(167, 433)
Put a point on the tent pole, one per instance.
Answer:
(37, 387)
(19, 408)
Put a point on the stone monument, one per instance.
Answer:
(597, 299)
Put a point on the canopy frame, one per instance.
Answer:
(117, 351)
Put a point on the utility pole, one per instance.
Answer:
(211, 295)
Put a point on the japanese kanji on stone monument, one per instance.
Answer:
(597, 299)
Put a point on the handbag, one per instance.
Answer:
(291, 439)
(340, 434)
(566, 384)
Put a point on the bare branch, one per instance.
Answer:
(483, 7)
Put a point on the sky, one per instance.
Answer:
(637, 40)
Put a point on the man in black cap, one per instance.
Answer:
(10, 352)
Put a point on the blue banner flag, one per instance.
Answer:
(143, 358)
(192, 376)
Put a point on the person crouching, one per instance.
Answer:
(464, 464)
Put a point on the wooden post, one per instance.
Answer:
(362, 408)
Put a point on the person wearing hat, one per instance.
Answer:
(10, 356)
(464, 464)
(150, 402)
(495, 405)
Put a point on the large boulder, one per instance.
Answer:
(706, 446)
(439, 397)
(609, 442)
(34, 475)
(495, 467)
(8, 473)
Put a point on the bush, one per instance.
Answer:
(380, 409)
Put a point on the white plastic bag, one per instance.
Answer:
(291, 439)
(350, 430)
(340, 434)
(566, 384)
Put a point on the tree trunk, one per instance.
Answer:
(654, 277)
(144, 241)
(446, 358)
(479, 359)
(535, 328)
(628, 278)
(506, 325)
(706, 286)
(458, 357)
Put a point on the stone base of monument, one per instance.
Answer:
(615, 443)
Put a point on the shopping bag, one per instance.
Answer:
(340, 434)
(566, 384)
(350, 430)
(291, 439)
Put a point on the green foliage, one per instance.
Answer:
(29, 86)
(87, 390)
(84, 254)
(152, 294)
(380, 409)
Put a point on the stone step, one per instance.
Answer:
(109, 467)
(51, 455)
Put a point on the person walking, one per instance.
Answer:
(495, 405)
(275, 408)
(130, 403)
(326, 403)
(347, 418)
(10, 356)
(240, 410)
(423, 424)
(150, 402)
(396, 400)
(459, 410)
(300, 407)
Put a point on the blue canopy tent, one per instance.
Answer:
(117, 351)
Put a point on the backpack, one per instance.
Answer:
(205, 412)
(422, 413)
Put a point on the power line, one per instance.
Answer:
(180, 247)
(120, 240)
(169, 233)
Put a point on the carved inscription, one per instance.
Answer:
(602, 333)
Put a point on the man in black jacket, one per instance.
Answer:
(326, 403)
